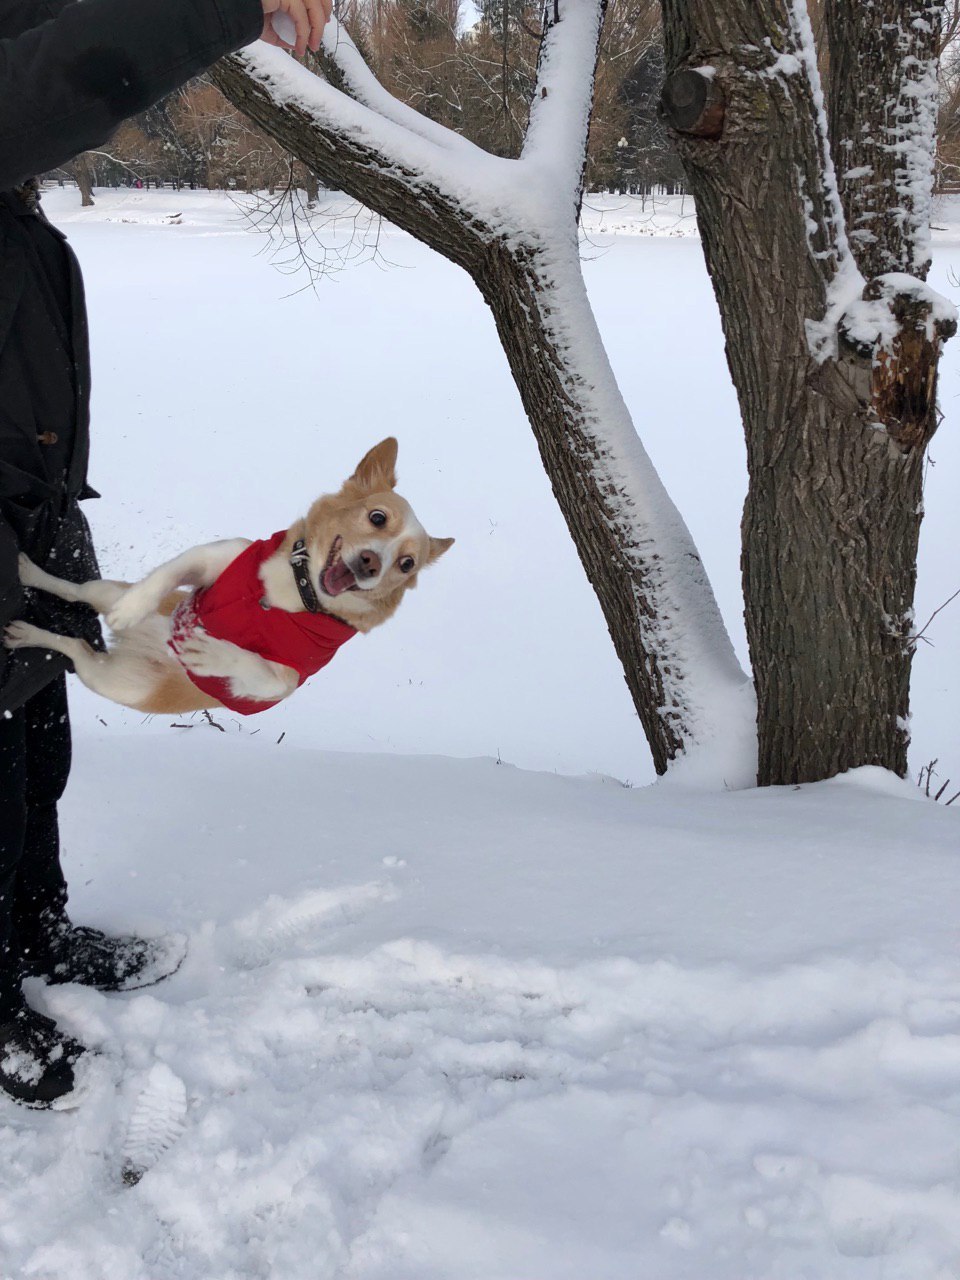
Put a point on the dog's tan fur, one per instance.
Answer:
(139, 671)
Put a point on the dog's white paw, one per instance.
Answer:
(24, 635)
(132, 607)
(205, 655)
(30, 574)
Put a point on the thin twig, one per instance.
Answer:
(919, 634)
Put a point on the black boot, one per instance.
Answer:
(37, 1060)
(73, 953)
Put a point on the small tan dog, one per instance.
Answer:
(258, 618)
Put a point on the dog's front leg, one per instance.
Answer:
(198, 567)
(250, 676)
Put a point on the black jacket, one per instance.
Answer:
(70, 73)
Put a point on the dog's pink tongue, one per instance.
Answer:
(338, 578)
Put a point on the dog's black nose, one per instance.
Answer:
(368, 564)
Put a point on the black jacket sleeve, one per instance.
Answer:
(67, 84)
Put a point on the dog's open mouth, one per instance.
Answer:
(336, 577)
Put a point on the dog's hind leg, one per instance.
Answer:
(100, 594)
(108, 674)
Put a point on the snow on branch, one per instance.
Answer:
(844, 283)
(883, 122)
(380, 129)
(361, 84)
(563, 97)
(913, 131)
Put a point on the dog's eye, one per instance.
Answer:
(378, 518)
(406, 564)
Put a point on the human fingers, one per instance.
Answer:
(268, 35)
(318, 15)
(297, 11)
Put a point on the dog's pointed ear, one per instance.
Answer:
(437, 547)
(377, 469)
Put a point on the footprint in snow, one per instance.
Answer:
(156, 1122)
(280, 922)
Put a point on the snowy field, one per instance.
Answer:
(449, 1012)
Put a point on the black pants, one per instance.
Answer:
(34, 765)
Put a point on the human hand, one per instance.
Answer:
(305, 18)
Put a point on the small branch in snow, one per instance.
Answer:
(924, 779)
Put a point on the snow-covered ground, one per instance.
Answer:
(450, 1019)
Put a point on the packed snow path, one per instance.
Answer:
(446, 1020)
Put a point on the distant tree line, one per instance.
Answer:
(475, 79)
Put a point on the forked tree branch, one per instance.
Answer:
(743, 51)
(350, 146)
(355, 78)
(352, 112)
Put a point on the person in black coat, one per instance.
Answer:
(70, 73)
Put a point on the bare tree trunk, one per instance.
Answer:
(634, 546)
(834, 439)
(83, 171)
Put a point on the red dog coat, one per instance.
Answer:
(231, 609)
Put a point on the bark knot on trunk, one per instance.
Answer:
(692, 102)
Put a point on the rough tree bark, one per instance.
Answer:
(882, 109)
(836, 376)
(512, 226)
(883, 103)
